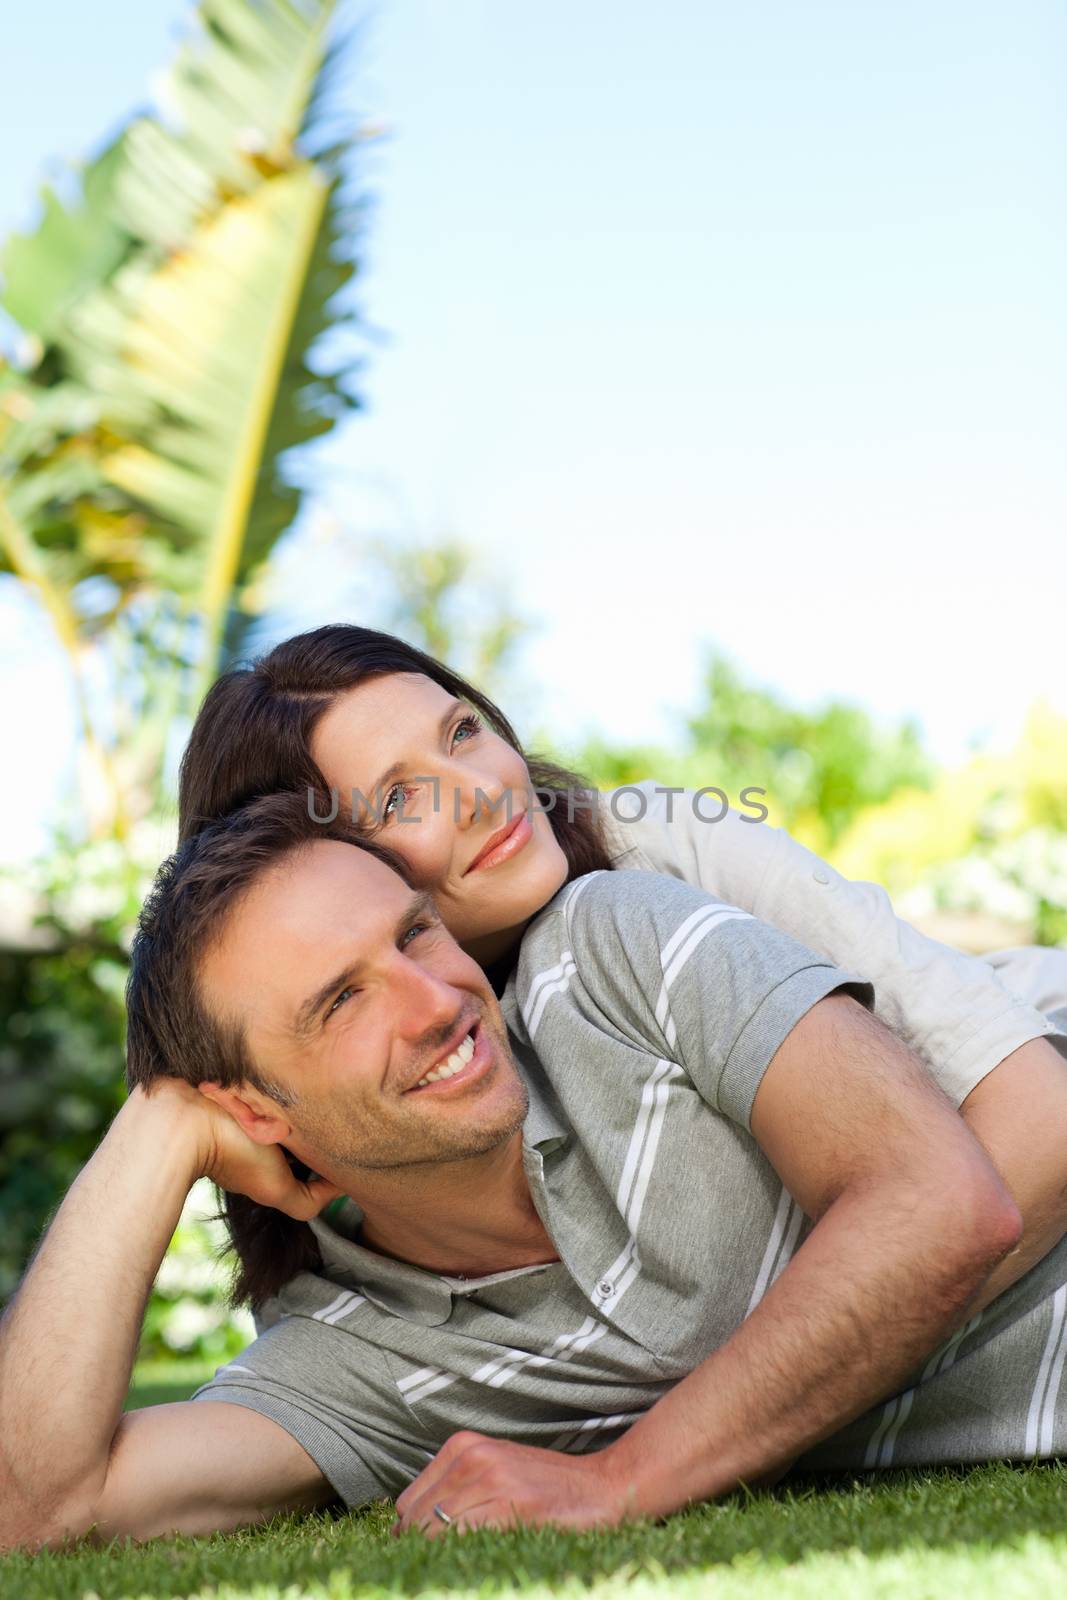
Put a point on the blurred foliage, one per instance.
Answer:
(58, 1084)
(62, 1051)
(187, 1314)
(989, 836)
(820, 769)
(986, 840)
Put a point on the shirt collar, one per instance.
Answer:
(415, 1293)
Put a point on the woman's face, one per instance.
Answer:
(450, 797)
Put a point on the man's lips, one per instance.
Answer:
(503, 844)
(476, 1067)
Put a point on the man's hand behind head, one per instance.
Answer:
(229, 1157)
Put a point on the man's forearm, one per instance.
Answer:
(855, 1312)
(68, 1342)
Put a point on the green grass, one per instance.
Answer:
(991, 1533)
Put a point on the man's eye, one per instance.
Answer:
(416, 928)
(341, 998)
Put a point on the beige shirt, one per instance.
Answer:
(962, 1016)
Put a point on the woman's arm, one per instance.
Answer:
(1019, 1113)
(996, 1056)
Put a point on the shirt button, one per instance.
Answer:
(820, 877)
(603, 1288)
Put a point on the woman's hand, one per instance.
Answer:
(235, 1162)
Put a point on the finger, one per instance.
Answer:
(433, 1474)
(321, 1191)
(489, 1514)
(444, 1489)
(416, 1488)
(305, 1200)
(455, 1490)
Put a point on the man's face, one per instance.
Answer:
(350, 992)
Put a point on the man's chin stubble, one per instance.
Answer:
(407, 1154)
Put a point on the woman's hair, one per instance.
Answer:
(253, 733)
(171, 1031)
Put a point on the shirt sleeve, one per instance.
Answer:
(698, 981)
(951, 1008)
(318, 1382)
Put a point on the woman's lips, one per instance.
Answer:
(518, 835)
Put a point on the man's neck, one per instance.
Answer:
(468, 1219)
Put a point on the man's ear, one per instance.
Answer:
(255, 1113)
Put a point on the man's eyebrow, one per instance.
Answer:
(420, 905)
(398, 766)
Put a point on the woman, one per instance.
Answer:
(432, 769)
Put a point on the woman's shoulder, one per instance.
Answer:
(694, 834)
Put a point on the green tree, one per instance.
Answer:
(819, 767)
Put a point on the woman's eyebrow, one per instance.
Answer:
(398, 766)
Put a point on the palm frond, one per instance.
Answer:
(176, 306)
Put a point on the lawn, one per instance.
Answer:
(992, 1533)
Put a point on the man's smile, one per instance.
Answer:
(470, 1060)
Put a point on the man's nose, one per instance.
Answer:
(424, 1002)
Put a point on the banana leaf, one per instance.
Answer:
(175, 305)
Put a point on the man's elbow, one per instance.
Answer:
(28, 1531)
(981, 1218)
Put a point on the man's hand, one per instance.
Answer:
(237, 1163)
(488, 1483)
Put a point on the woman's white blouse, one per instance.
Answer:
(962, 1016)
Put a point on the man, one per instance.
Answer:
(565, 1282)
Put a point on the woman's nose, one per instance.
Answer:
(480, 797)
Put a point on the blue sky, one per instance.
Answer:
(706, 324)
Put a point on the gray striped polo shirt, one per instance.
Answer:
(642, 1014)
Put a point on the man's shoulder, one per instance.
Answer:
(612, 919)
(614, 898)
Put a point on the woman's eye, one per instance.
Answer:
(394, 800)
(469, 725)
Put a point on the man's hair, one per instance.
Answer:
(172, 1033)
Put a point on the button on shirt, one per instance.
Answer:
(642, 1015)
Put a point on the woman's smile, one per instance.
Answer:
(505, 843)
